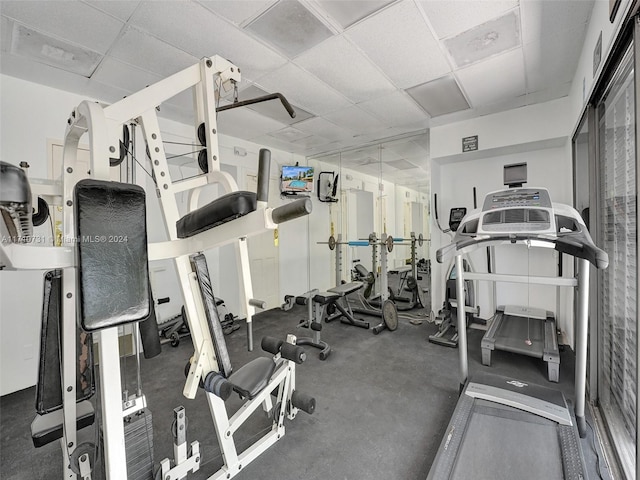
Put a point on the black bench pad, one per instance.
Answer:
(326, 297)
(346, 288)
(221, 210)
(48, 427)
(253, 377)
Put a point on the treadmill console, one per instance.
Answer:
(517, 211)
(517, 197)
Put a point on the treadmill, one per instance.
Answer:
(504, 428)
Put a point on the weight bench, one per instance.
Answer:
(254, 382)
(344, 313)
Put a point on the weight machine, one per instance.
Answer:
(95, 208)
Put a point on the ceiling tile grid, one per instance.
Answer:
(357, 71)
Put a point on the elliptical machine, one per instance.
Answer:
(447, 334)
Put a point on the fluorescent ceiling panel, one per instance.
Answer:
(339, 64)
(272, 108)
(493, 80)
(42, 48)
(290, 28)
(348, 12)
(74, 22)
(304, 89)
(452, 17)
(150, 53)
(486, 40)
(440, 96)
(399, 41)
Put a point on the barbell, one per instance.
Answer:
(332, 242)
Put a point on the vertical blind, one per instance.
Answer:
(617, 285)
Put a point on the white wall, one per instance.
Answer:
(537, 135)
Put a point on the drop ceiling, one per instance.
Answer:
(356, 71)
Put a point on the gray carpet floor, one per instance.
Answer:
(383, 404)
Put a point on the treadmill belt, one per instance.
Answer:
(505, 444)
(513, 333)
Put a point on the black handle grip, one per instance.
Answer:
(264, 98)
(293, 210)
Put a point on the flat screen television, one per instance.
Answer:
(515, 174)
(296, 179)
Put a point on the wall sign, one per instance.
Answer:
(469, 144)
(597, 54)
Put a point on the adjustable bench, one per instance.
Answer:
(315, 302)
(344, 313)
(254, 382)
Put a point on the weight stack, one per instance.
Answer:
(138, 440)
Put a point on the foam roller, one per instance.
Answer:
(271, 345)
(218, 385)
(304, 402)
(293, 352)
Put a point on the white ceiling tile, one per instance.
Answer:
(247, 124)
(150, 53)
(348, 12)
(553, 17)
(196, 30)
(486, 83)
(302, 88)
(289, 27)
(311, 141)
(122, 9)
(235, 11)
(121, 75)
(355, 119)
(69, 20)
(322, 127)
(395, 109)
(338, 63)
(399, 41)
(183, 100)
(452, 17)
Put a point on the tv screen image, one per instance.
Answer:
(297, 179)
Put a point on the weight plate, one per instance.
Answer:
(420, 239)
(390, 315)
(332, 243)
(389, 243)
(202, 161)
(411, 282)
(202, 135)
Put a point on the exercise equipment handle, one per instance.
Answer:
(293, 210)
(264, 166)
(254, 302)
(264, 98)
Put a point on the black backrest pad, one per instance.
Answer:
(49, 386)
(199, 265)
(113, 276)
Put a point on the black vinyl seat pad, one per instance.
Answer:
(221, 210)
(253, 377)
